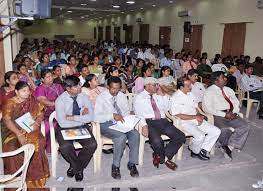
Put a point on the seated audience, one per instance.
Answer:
(184, 106)
(24, 76)
(151, 108)
(58, 60)
(84, 72)
(75, 114)
(47, 93)
(43, 65)
(95, 68)
(128, 77)
(197, 88)
(166, 81)
(14, 136)
(222, 102)
(218, 65)
(189, 64)
(139, 82)
(91, 87)
(204, 70)
(71, 67)
(58, 78)
(251, 83)
(8, 89)
(238, 74)
(112, 106)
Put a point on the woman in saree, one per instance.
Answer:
(13, 136)
(47, 94)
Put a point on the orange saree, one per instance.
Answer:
(38, 171)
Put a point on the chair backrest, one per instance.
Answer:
(51, 125)
(28, 150)
(130, 97)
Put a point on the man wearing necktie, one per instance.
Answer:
(112, 106)
(74, 110)
(151, 107)
(222, 102)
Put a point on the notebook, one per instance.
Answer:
(129, 124)
(75, 134)
(26, 122)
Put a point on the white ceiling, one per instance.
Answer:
(90, 9)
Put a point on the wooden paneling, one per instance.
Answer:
(100, 33)
(129, 34)
(234, 39)
(144, 33)
(108, 33)
(117, 34)
(164, 36)
(193, 40)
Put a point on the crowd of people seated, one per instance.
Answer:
(87, 83)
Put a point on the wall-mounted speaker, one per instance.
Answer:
(187, 27)
(124, 27)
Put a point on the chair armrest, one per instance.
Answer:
(210, 118)
(176, 120)
(96, 131)
(241, 115)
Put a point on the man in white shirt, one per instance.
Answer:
(198, 89)
(184, 106)
(84, 71)
(222, 102)
(219, 66)
(204, 55)
(151, 108)
(166, 61)
(251, 83)
(110, 107)
(73, 111)
(238, 74)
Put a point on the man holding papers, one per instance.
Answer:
(74, 110)
(111, 110)
(151, 107)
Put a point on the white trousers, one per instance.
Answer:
(204, 136)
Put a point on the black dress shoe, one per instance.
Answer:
(199, 156)
(79, 176)
(204, 153)
(227, 151)
(115, 172)
(70, 172)
(107, 151)
(133, 170)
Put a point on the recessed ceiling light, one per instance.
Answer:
(141, 8)
(171, 1)
(154, 5)
(116, 6)
(92, 0)
(82, 17)
(69, 11)
(132, 10)
(122, 12)
(130, 2)
(83, 4)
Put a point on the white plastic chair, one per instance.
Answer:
(130, 97)
(55, 146)
(17, 180)
(142, 145)
(177, 123)
(250, 102)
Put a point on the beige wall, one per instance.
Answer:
(83, 30)
(211, 13)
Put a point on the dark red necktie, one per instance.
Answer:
(157, 114)
(228, 100)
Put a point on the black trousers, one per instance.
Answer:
(80, 161)
(258, 96)
(164, 127)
